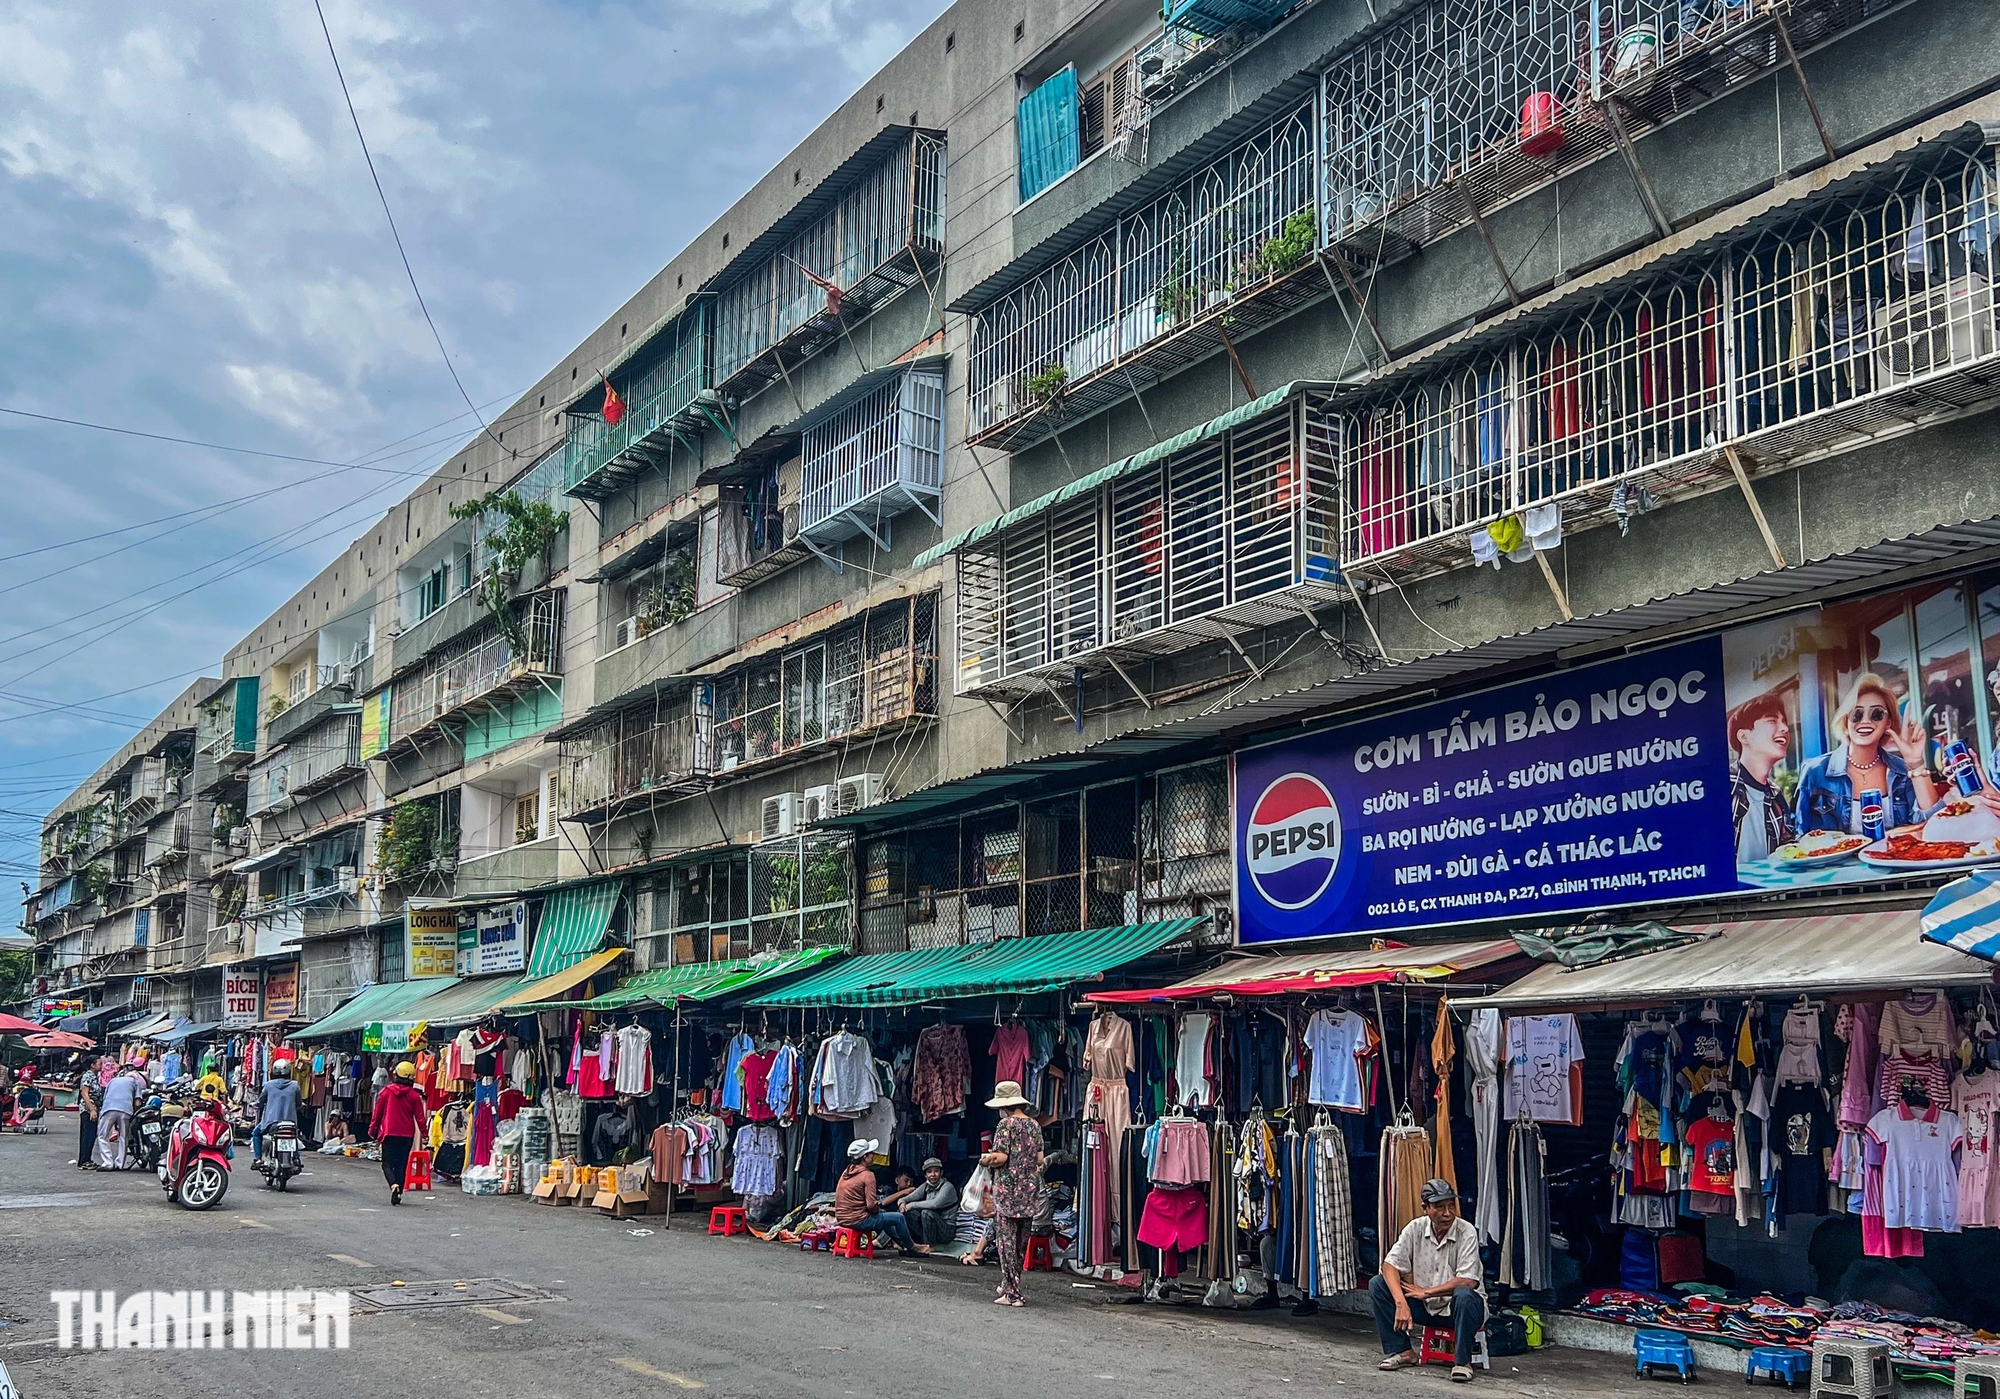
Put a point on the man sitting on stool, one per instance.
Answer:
(856, 1207)
(1435, 1261)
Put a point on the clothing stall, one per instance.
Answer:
(1791, 1125)
(1266, 1123)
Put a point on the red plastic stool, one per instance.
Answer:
(417, 1174)
(1038, 1255)
(726, 1220)
(1439, 1345)
(852, 1243)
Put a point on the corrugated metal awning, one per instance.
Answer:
(1849, 952)
(573, 925)
(1304, 972)
(694, 982)
(1015, 967)
(380, 1002)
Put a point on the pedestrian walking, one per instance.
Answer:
(114, 1122)
(89, 1103)
(398, 1118)
(1016, 1164)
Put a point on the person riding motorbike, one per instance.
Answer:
(279, 1103)
(400, 1117)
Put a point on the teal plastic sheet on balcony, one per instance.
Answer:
(574, 922)
(1049, 134)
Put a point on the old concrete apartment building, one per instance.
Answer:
(1095, 397)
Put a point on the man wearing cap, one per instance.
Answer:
(931, 1210)
(1435, 1261)
(855, 1203)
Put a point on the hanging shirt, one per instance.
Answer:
(778, 1087)
(1544, 1058)
(635, 1060)
(1010, 1053)
(1338, 1039)
(940, 1073)
(1919, 1178)
(757, 1085)
(845, 1082)
(1802, 1128)
(732, 1059)
(1712, 1157)
(1974, 1098)
(1191, 1061)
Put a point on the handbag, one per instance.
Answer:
(417, 1174)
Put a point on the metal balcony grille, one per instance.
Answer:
(643, 753)
(872, 460)
(1463, 105)
(1232, 241)
(880, 238)
(489, 669)
(1863, 319)
(1230, 535)
(600, 458)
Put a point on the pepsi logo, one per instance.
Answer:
(1292, 846)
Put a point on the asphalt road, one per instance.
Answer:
(630, 1308)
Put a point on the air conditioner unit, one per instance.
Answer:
(239, 837)
(628, 631)
(862, 789)
(781, 815)
(819, 803)
(1934, 329)
(350, 880)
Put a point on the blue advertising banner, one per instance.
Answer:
(1597, 787)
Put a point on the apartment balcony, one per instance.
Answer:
(1850, 321)
(344, 886)
(638, 756)
(226, 729)
(876, 235)
(1227, 529)
(863, 679)
(226, 942)
(1461, 106)
(485, 673)
(527, 865)
(171, 956)
(321, 758)
(332, 695)
(1226, 252)
(664, 406)
(168, 843)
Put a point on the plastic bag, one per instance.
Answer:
(974, 1194)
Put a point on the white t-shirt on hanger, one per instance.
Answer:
(1540, 1051)
(1336, 1038)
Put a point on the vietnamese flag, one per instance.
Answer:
(614, 406)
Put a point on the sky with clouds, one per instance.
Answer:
(190, 247)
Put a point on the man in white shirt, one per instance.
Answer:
(1435, 1261)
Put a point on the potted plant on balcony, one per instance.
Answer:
(406, 844)
(527, 531)
(1046, 384)
(1292, 246)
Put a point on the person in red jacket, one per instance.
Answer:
(397, 1122)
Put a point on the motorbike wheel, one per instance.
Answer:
(202, 1186)
(281, 1182)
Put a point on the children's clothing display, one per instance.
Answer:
(1544, 1069)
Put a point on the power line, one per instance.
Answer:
(191, 442)
(395, 233)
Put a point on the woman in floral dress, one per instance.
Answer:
(1016, 1192)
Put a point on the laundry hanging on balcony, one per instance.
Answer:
(1518, 537)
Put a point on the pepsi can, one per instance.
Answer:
(1872, 824)
(1963, 766)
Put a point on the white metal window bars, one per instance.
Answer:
(1130, 307)
(1228, 536)
(1464, 105)
(879, 238)
(1863, 319)
(660, 406)
(480, 669)
(872, 460)
(656, 751)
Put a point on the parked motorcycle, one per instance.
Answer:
(195, 1170)
(282, 1157)
(150, 1125)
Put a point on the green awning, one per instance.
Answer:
(1138, 461)
(574, 922)
(379, 1002)
(462, 1002)
(697, 981)
(1016, 967)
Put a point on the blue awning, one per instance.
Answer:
(1966, 915)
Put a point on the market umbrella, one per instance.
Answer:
(15, 1025)
(60, 1039)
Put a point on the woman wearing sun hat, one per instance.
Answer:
(1016, 1191)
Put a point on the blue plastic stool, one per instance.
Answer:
(1668, 1349)
(1780, 1363)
